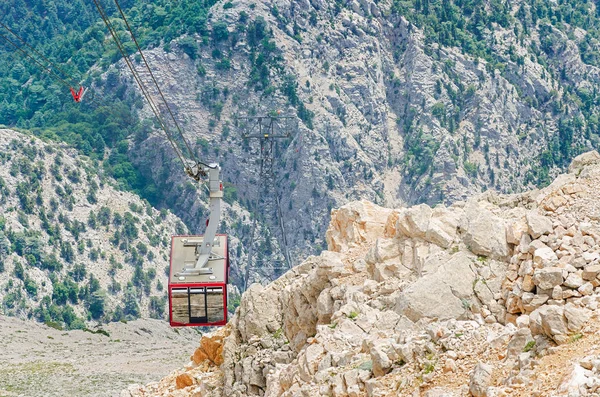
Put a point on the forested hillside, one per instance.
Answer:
(399, 102)
(72, 247)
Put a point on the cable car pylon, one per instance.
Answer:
(265, 129)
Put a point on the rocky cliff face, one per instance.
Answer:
(72, 246)
(388, 112)
(495, 295)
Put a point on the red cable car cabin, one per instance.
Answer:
(198, 299)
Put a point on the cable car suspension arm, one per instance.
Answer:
(204, 247)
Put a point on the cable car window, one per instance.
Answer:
(179, 301)
(197, 305)
(215, 304)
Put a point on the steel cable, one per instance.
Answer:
(191, 152)
(66, 75)
(146, 94)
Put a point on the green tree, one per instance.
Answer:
(104, 216)
(79, 272)
(132, 308)
(220, 32)
(19, 271)
(60, 294)
(156, 307)
(31, 287)
(66, 252)
(96, 304)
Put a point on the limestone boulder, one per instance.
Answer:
(259, 312)
(353, 382)
(515, 231)
(183, 380)
(382, 363)
(548, 278)
(309, 360)
(288, 376)
(383, 259)
(586, 289)
(414, 222)
(590, 272)
(574, 383)
(384, 250)
(576, 317)
(583, 160)
(443, 226)
(373, 387)
(531, 302)
(544, 257)
(591, 256)
(355, 223)
(299, 296)
(514, 303)
(325, 306)
(538, 225)
(483, 292)
(329, 266)
(484, 232)
(573, 280)
(447, 293)
(480, 379)
(211, 349)
(251, 373)
(390, 229)
(519, 340)
(549, 320)
(528, 284)
(433, 262)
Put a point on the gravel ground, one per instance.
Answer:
(36, 360)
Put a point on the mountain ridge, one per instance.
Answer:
(398, 102)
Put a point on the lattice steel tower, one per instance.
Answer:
(267, 130)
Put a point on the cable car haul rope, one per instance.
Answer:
(147, 95)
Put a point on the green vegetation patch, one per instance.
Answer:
(99, 331)
(530, 345)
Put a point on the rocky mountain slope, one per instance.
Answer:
(400, 102)
(493, 296)
(73, 247)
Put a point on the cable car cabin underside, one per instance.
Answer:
(198, 296)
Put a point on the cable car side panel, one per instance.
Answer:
(200, 299)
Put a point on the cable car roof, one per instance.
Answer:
(183, 254)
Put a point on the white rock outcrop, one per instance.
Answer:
(455, 300)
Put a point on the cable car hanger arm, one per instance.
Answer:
(204, 247)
